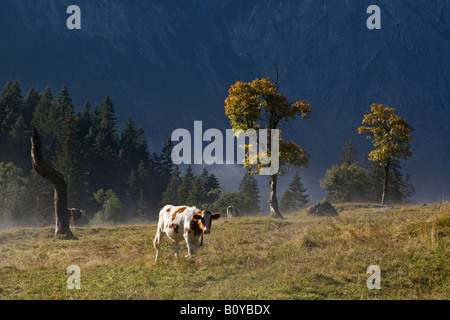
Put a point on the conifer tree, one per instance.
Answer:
(142, 151)
(29, 105)
(10, 107)
(143, 206)
(249, 187)
(44, 122)
(165, 163)
(128, 161)
(20, 132)
(69, 156)
(161, 172)
(106, 148)
(128, 144)
(196, 196)
(38, 200)
(11, 192)
(84, 121)
(212, 188)
(349, 154)
(170, 195)
(83, 124)
(295, 197)
(346, 183)
(185, 186)
(407, 188)
(107, 139)
(400, 187)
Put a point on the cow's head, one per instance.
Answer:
(204, 219)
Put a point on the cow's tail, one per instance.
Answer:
(157, 240)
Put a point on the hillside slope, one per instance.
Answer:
(299, 257)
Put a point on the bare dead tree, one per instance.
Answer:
(59, 185)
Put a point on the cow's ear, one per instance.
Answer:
(215, 216)
(196, 217)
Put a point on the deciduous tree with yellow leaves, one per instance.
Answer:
(391, 136)
(260, 105)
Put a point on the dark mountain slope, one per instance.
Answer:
(171, 62)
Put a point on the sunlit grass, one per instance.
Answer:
(299, 257)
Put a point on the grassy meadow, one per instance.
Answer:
(299, 257)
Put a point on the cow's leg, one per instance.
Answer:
(157, 242)
(175, 249)
(190, 247)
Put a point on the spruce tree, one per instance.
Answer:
(185, 186)
(20, 132)
(29, 105)
(196, 196)
(107, 140)
(84, 121)
(165, 163)
(19, 142)
(143, 180)
(349, 154)
(38, 200)
(161, 172)
(69, 157)
(128, 162)
(10, 107)
(295, 197)
(249, 187)
(131, 194)
(170, 195)
(407, 188)
(212, 189)
(128, 143)
(106, 148)
(346, 183)
(44, 121)
(400, 187)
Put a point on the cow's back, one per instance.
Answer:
(173, 219)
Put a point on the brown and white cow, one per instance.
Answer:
(75, 214)
(183, 223)
(232, 212)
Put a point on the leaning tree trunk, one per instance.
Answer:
(274, 211)
(59, 185)
(385, 181)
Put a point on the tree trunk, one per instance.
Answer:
(59, 185)
(385, 182)
(274, 211)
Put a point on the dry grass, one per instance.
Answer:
(299, 257)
